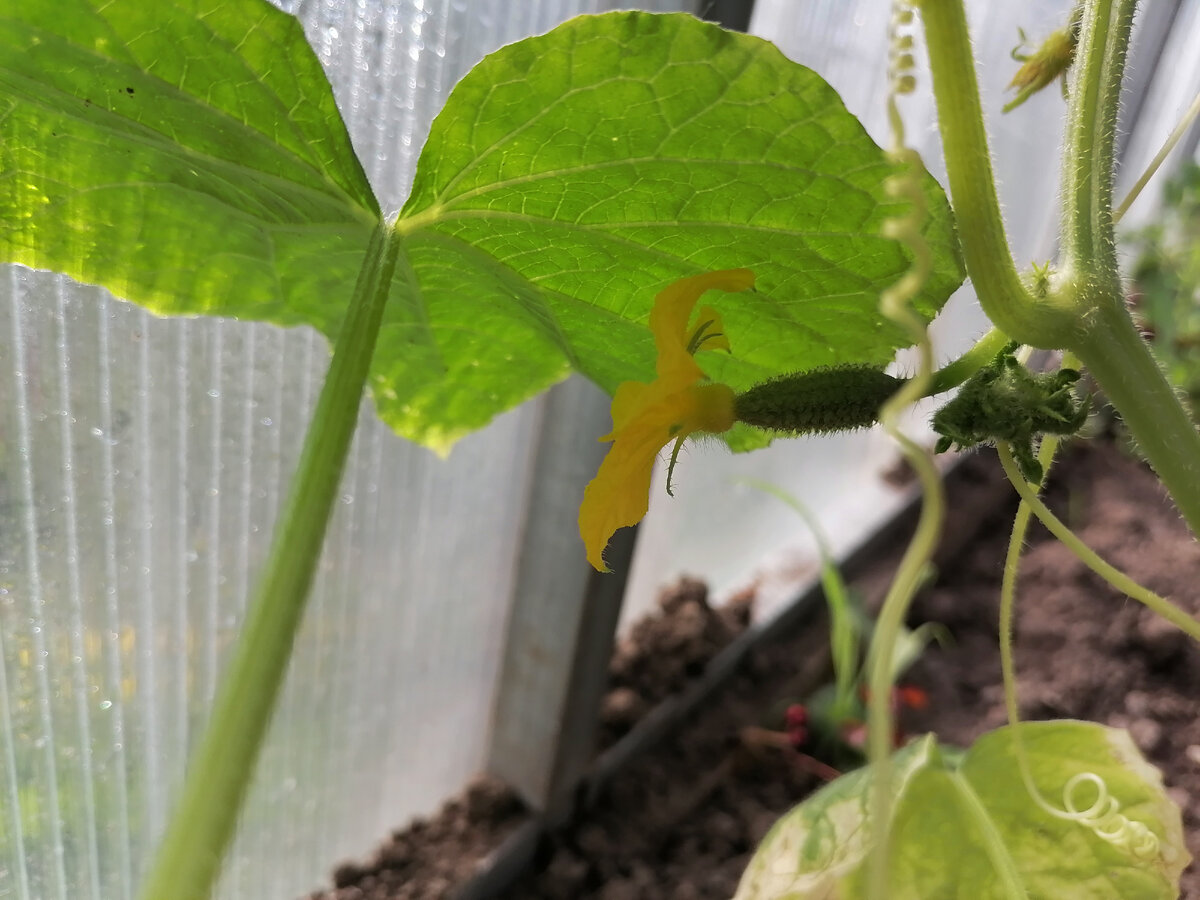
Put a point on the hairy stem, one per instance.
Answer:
(955, 373)
(1108, 342)
(188, 861)
(1089, 249)
(1047, 451)
(1133, 382)
(880, 660)
(1008, 599)
(1090, 558)
(1039, 322)
(1008, 588)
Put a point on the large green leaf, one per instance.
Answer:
(1084, 865)
(618, 153)
(967, 827)
(187, 155)
(813, 849)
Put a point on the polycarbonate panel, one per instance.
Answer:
(734, 536)
(142, 465)
(1174, 83)
(140, 489)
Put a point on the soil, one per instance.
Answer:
(665, 652)
(681, 821)
(430, 858)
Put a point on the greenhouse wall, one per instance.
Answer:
(143, 462)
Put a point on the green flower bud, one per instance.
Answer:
(1004, 401)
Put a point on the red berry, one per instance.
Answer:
(796, 715)
(912, 697)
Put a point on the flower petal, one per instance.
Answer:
(619, 495)
(629, 400)
(673, 308)
(646, 417)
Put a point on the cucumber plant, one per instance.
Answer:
(188, 156)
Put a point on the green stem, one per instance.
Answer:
(1114, 576)
(1008, 599)
(1040, 322)
(880, 658)
(1111, 823)
(1089, 250)
(896, 304)
(1108, 343)
(1008, 589)
(1133, 382)
(955, 373)
(1087, 312)
(1047, 450)
(188, 860)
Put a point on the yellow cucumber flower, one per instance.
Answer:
(647, 417)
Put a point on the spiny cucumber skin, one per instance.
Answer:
(820, 401)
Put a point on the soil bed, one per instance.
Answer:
(681, 822)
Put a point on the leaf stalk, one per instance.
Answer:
(188, 860)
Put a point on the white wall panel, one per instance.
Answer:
(1172, 80)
